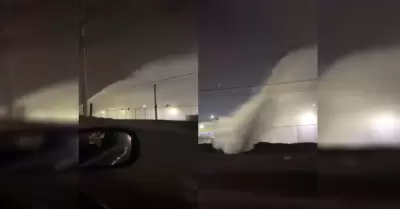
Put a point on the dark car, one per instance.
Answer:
(41, 163)
(69, 166)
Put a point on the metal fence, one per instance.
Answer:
(292, 134)
(148, 113)
(282, 134)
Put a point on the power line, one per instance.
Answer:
(150, 83)
(253, 86)
(163, 80)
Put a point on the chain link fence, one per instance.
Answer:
(148, 113)
(282, 134)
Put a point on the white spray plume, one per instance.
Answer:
(246, 127)
(359, 100)
(168, 72)
(357, 97)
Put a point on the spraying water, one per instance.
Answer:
(57, 103)
(176, 77)
(357, 97)
(359, 100)
(286, 103)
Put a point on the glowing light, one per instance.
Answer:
(384, 127)
(201, 126)
(144, 106)
(212, 116)
(308, 118)
(103, 112)
(384, 121)
(172, 111)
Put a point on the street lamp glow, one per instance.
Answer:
(385, 127)
(212, 116)
(308, 118)
(172, 111)
(383, 122)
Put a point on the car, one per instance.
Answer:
(47, 165)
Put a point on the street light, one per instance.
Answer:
(123, 112)
(172, 111)
(308, 118)
(103, 113)
(145, 111)
(384, 122)
(212, 117)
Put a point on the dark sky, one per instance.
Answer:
(346, 26)
(238, 41)
(242, 40)
(247, 37)
(122, 35)
(38, 44)
(122, 39)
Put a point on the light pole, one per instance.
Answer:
(134, 109)
(9, 67)
(145, 111)
(155, 102)
(82, 51)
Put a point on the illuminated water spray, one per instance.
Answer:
(357, 97)
(283, 112)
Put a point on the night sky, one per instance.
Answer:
(238, 41)
(42, 39)
(347, 26)
(242, 40)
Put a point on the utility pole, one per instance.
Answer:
(82, 52)
(91, 109)
(155, 102)
(135, 112)
(9, 67)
